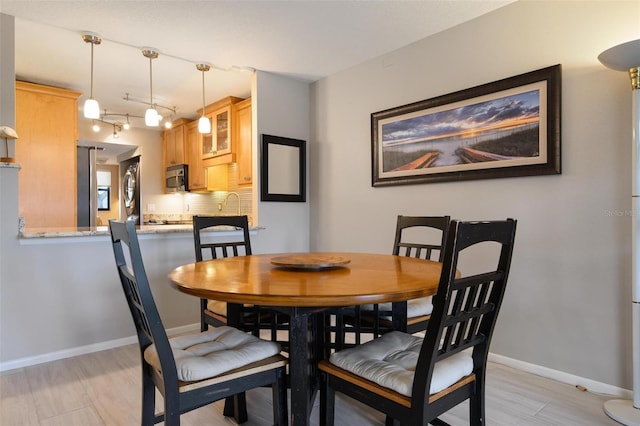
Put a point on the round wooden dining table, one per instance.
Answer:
(303, 284)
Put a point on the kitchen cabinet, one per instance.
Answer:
(197, 172)
(243, 141)
(204, 175)
(218, 178)
(47, 122)
(232, 137)
(174, 142)
(219, 143)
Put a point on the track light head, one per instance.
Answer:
(90, 37)
(203, 67)
(150, 52)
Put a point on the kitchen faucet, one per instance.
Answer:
(226, 200)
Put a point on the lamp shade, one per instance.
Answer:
(622, 57)
(7, 132)
(91, 109)
(151, 118)
(204, 125)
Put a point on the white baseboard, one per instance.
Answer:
(562, 377)
(68, 353)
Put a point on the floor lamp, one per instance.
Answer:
(626, 57)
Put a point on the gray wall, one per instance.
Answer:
(61, 296)
(281, 109)
(570, 284)
(568, 306)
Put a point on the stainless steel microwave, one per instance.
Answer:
(177, 178)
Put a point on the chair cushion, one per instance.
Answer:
(205, 355)
(390, 361)
(415, 307)
(219, 308)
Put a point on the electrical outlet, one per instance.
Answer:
(151, 207)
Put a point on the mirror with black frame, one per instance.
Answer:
(283, 173)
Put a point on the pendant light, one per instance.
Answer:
(204, 124)
(91, 107)
(151, 117)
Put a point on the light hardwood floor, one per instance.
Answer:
(103, 388)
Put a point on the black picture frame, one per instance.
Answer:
(424, 142)
(283, 169)
(104, 198)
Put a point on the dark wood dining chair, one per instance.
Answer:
(421, 237)
(192, 370)
(424, 378)
(212, 312)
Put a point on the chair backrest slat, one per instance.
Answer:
(135, 286)
(465, 309)
(432, 228)
(402, 247)
(217, 250)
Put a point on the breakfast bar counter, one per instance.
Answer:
(35, 233)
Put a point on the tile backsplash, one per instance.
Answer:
(181, 207)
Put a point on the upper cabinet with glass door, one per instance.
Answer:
(219, 142)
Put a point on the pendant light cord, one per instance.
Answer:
(203, 93)
(150, 83)
(91, 95)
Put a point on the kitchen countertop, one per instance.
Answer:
(30, 233)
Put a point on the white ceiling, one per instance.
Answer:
(302, 39)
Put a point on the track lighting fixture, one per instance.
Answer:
(172, 110)
(151, 117)
(204, 124)
(91, 107)
(117, 125)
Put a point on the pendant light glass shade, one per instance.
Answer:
(204, 124)
(151, 118)
(91, 107)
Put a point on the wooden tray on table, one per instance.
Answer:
(310, 261)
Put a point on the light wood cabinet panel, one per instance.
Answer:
(243, 141)
(197, 173)
(218, 178)
(219, 143)
(174, 144)
(47, 122)
(208, 169)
